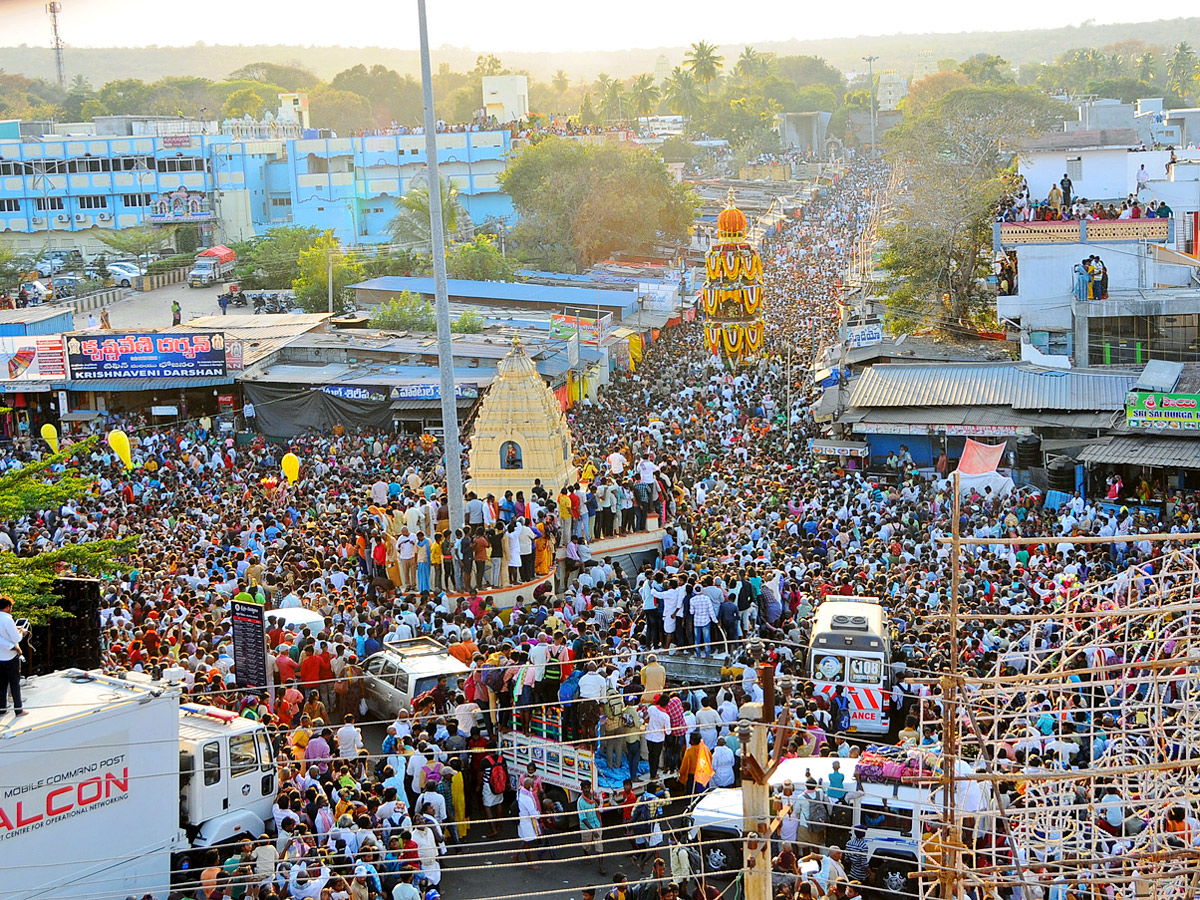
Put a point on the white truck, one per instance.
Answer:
(109, 786)
(211, 266)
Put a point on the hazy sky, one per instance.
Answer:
(523, 24)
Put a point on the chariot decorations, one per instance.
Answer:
(733, 293)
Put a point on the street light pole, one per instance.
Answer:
(870, 61)
(437, 233)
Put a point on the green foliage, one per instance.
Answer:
(580, 203)
(644, 95)
(682, 93)
(136, 242)
(312, 282)
(270, 260)
(187, 238)
(411, 226)
(704, 62)
(11, 268)
(676, 149)
(342, 112)
(28, 580)
(392, 96)
(806, 70)
(395, 262)
(939, 249)
(170, 263)
(470, 322)
(293, 78)
(242, 102)
(479, 260)
(1127, 90)
(408, 312)
(587, 112)
(984, 68)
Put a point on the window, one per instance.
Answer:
(875, 815)
(377, 209)
(134, 163)
(7, 205)
(243, 757)
(281, 201)
(212, 764)
(1075, 168)
(135, 200)
(93, 203)
(89, 164)
(181, 164)
(827, 667)
(1135, 340)
(866, 671)
(49, 203)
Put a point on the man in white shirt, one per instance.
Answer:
(349, 739)
(10, 659)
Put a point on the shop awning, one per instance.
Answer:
(433, 403)
(143, 384)
(81, 415)
(839, 448)
(1179, 453)
(25, 387)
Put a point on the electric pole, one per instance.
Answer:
(54, 9)
(437, 233)
(870, 61)
(329, 268)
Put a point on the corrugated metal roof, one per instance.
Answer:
(1003, 384)
(978, 415)
(1159, 375)
(31, 314)
(1144, 450)
(460, 289)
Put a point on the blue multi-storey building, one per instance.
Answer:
(59, 192)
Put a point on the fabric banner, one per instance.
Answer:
(285, 410)
(979, 459)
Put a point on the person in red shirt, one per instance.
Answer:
(287, 668)
(310, 670)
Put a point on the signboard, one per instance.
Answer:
(164, 410)
(249, 644)
(431, 391)
(142, 355)
(959, 430)
(177, 140)
(590, 331)
(1150, 409)
(356, 392)
(32, 359)
(235, 355)
(864, 336)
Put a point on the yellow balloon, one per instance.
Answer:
(50, 436)
(291, 467)
(119, 441)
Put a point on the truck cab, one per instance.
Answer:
(227, 780)
(851, 649)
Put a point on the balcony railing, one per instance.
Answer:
(1008, 234)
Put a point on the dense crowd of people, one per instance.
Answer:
(759, 530)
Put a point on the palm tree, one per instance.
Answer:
(410, 226)
(560, 82)
(1181, 69)
(704, 62)
(1145, 66)
(603, 80)
(613, 101)
(750, 64)
(644, 94)
(681, 94)
(80, 84)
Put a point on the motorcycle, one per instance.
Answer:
(238, 299)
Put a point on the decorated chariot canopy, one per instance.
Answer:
(732, 299)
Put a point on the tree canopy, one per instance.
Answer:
(580, 203)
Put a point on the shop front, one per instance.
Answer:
(1149, 470)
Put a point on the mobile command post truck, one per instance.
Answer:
(108, 785)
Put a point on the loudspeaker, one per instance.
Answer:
(71, 641)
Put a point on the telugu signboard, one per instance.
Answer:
(1151, 409)
(249, 644)
(356, 392)
(144, 355)
(590, 331)
(32, 359)
(432, 391)
(864, 335)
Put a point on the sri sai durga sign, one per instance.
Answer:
(1151, 409)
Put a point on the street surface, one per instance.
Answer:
(152, 309)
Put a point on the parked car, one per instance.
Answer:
(123, 273)
(404, 670)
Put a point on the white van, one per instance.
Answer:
(405, 670)
(891, 814)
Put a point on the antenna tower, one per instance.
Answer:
(54, 9)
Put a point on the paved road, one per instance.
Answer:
(152, 309)
(483, 869)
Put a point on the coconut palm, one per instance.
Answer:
(613, 101)
(1181, 69)
(751, 64)
(704, 62)
(603, 80)
(410, 227)
(560, 82)
(681, 93)
(1145, 66)
(644, 95)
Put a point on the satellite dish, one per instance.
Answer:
(1144, 196)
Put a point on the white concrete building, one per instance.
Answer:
(506, 97)
(1102, 163)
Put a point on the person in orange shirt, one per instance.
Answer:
(695, 769)
(464, 651)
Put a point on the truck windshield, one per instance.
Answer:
(865, 670)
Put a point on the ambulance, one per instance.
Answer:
(851, 649)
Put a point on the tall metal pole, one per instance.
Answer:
(870, 61)
(441, 298)
(329, 267)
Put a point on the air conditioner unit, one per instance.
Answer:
(62, 218)
(104, 217)
(79, 217)
(38, 220)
